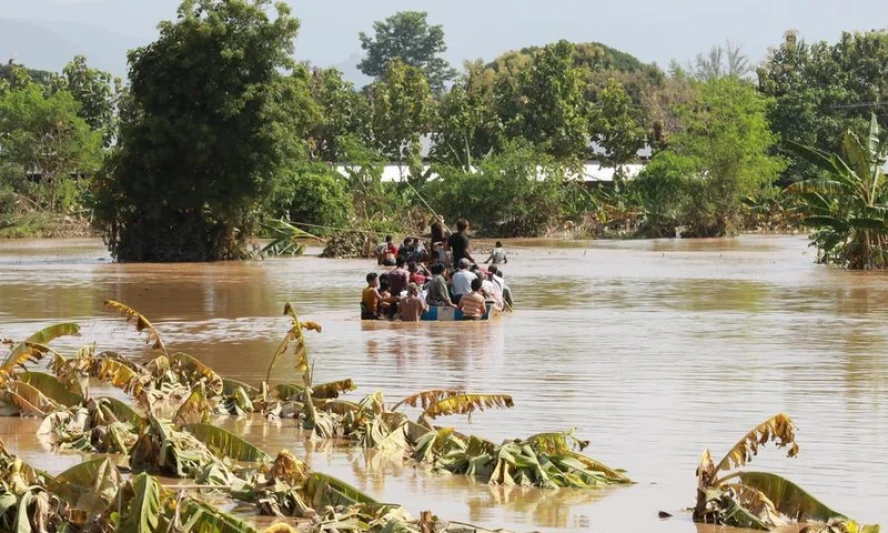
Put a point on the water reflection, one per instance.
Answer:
(653, 350)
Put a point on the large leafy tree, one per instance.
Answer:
(210, 118)
(43, 133)
(723, 152)
(402, 111)
(545, 103)
(616, 125)
(96, 92)
(407, 36)
(343, 112)
(821, 90)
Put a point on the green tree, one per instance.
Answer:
(43, 134)
(311, 193)
(721, 61)
(545, 104)
(821, 90)
(724, 152)
(402, 109)
(467, 126)
(616, 126)
(343, 112)
(210, 119)
(407, 36)
(96, 93)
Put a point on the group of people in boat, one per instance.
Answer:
(444, 274)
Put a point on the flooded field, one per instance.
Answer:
(653, 350)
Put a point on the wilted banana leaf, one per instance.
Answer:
(89, 486)
(142, 512)
(427, 398)
(788, 498)
(195, 516)
(53, 389)
(30, 401)
(120, 411)
(193, 371)
(229, 386)
(227, 444)
(467, 404)
(25, 352)
(120, 375)
(195, 409)
(141, 323)
(322, 490)
(779, 429)
(42, 337)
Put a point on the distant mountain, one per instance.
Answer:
(351, 72)
(49, 45)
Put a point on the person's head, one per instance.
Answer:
(463, 264)
(437, 269)
(492, 270)
(411, 266)
(412, 289)
(384, 281)
(476, 284)
(408, 241)
(498, 244)
(462, 224)
(400, 262)
(500, 274)
(372, 279)
(389, 238)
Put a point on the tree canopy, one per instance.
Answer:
(212, 116)
(408, 37)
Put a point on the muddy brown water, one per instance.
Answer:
(652, 350)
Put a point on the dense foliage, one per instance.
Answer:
(211, 119)
(219, 131)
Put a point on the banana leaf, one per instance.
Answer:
(29, 352)
(230, 385)
(121, 411)
(29, 400)
(42, 337)
(53, 389)
(195, 409)
(467, 404)
(198, 517)
(322, 490)
(427, 398)
(89, 486)
(224, 443)
(142, 513)
(788, 498)
(194, 370)
(779, 429)
(141, 323)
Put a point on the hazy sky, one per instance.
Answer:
(652, 30)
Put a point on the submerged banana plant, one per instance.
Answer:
(762, 500)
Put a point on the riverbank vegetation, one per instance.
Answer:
(190, 160)
(170, 426)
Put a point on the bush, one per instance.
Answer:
(518, 193)
(311, 194)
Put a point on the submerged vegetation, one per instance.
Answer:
(169, 429)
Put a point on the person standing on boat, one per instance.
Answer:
(438, 293)
(462, 279)
(412, 306)
(399, 278)
(458, 243)
(438, 232)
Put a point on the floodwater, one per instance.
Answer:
(652, 350)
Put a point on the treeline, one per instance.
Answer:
(218, 129)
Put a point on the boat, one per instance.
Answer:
(449, 314)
